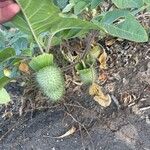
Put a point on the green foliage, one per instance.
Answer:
(85, 68)
(122, 24)
(128, 3)
(79, 6)
(41, 61)
(44, 17)
(51, 82)
(50, 20)
(14, 39)
(9, 59)
(61, 3)
(4, 96)
(3, 81)
(6, 54)
(95, 3)
(13, 50)
(147, 2)
(46, 23)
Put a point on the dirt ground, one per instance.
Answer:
(124, 125)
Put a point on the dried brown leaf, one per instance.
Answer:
(110, 42)
(24, 68)
(68, 133)
(103, 60)
(103, 101)
(96, 91)
(8, 114)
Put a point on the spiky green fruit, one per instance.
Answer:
(51, 81)
(56, 94)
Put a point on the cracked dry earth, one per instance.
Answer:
(124, 125)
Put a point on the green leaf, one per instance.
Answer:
(2, 40)
(3, 81)
(67, 8)
(42, 16)
(80, 6)
(6, 54)
(20, 44)
(26, 52)
(122, 24)
(128, 3)
(41, 61)
(95, 3)
(147, 2)
(61, 3)
(4, 96)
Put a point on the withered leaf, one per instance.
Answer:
(24, 68)
(96, 91)
(110, 42)
(103, 102)
(103, 60)
(68, 133)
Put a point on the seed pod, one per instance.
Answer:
(51, 81)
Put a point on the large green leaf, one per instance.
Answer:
(42, 16)
(80, 6)
(4, 96)
(128, 3)
(6, 54)
(122, 24)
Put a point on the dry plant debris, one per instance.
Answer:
(23, 67)
(103, 60)
(68, 133)
(96, 91)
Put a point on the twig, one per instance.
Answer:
(89, 41)
(80, 124)
(70, 66)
